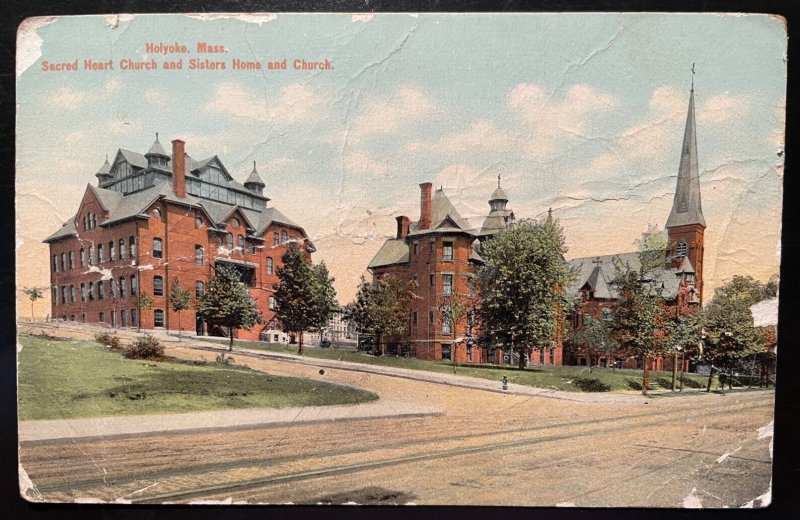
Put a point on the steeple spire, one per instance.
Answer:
(686, 207)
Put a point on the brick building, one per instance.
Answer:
(440, 253)
(681, 275)
(156, 218)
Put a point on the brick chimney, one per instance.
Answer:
(425, 206)
(402, 226)
(178, 168)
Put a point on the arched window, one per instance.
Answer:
(198, 254)
(240, 244)
(157, 213)
(270, 266)
(683, 248)
(198, 222)
(72, 259)
(134, 318)
(272, 303)
(284, 237)
(234, 222)
(112, 288)
(72, 294)
(123, 252)
(134, 285)
(158, 286)
(229, 241)
(83, 257)
(91, 290)
(91, 255)
(132, 247)
(123, 318)
(158, 245)
(122, 286)
(101, 290)
(63, 294)
(112, 253)
(55, 263)
(100, 255)
(199, 289)
(276, 238)
(83, 292)
(158, 318)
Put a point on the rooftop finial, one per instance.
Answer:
(498, 180)
(692, 76)
(156, 136)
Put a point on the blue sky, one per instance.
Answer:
(582, 113)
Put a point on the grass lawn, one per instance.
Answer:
(570, 379)
(68, 379)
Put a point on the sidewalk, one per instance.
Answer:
(123, 425)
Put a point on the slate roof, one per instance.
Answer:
(394, 251)
(156, 149)
(133, 158)
(600, 277)
(495, 221)
(254, 177)
(686, 206)
(445, 218)
(67, 230)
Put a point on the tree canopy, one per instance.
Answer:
(381, 307)
(305, 298)
(227, 303)
(179, 300)
(522, 286)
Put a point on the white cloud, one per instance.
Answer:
(722, 108)
(155, 96)
(67, 98)
(364, 164)
(295, 103)
(386, 114)
(482, 136)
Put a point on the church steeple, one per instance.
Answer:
(686, 207)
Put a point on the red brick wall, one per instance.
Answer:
(693, 235)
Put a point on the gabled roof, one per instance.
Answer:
(446, 218)
(133, 158)
(394, 251)
(68, 229)
(589, 272)
(272, 216)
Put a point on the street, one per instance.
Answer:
(467, 446)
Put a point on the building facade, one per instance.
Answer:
(154, 220)
(681, 275)
(440, 253)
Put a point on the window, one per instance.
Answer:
(83, 292)
(414, 318)
(432, 247)
(432, 282)
(91, 291)
(63, 261)
(158, 286)
(158, 245)
(284, 237)
(199, 289)
(101, 290)
(102, 317)
(270, 266)
(63, 294)
(251, 247)
(158, 318)
(447, 284)
(55, 263)
(83, 318)
(271, 303)
(134, 318)
(431, 317)
(276, 238)
(229, 241)
(122, 250)
(416, 248)
(134, 285)
(446, 351)
(123, 318)
(54, 295)
(198, 223)
(100, 255)
(198, 254)
(72, 294)
(447, 326)
(91, 255)
(113, 319)
(112, 288)
(234, 222)
(112, 253)
(72, 259)
(121, 286)
(83, 257)
(132, 247)
(240, 244)
(447, 251)
(606, 314)
(683, 248)
(157, 213)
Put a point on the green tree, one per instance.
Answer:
(305, 298)
(730, 336)
(639, 315)
(381, 308)
(227, 303)
(143, 301)
(522, 281)
(683, 337)
(324, 298)
(595, 336)
(34, 293)
(179, 300)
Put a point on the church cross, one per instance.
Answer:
(597, 261)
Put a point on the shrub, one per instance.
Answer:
(590, 384)
(145, 347)
(109, 340)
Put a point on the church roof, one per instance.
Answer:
(686, 206)
(498, 194)
(157, 149)
(105, 169)
(446, 218)
(254, 177)
(600, 276)
(393, 251)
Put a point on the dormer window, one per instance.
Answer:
(234, 222)
(156, 213)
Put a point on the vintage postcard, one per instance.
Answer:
(399, 258)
